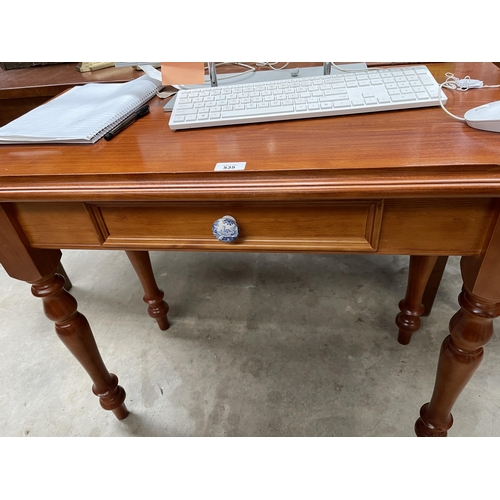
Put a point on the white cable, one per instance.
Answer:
(271, 65)
(442, 105)
(351, 70)
(250, 69)
(220, 77)
(462, 85)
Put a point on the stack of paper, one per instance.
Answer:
(80, 115)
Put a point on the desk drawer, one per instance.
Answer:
(275, 226)
(420, 226)
(402, 226)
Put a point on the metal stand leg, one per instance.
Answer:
(213, 74)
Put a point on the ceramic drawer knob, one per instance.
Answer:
(225, 229)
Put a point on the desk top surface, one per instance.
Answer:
(424, 143)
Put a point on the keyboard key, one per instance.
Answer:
(403, 98)
(384, 99)
(189, 111)
(427, 80)
(342, 104)
(336, 97)
(256, 112)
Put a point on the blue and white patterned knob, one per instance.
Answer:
(225, 229)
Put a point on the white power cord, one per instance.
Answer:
(462, 85)
(353, 70)
(250, 69)
(271, 65)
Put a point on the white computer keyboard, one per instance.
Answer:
(309, 97)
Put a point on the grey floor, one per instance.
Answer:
(260, 345)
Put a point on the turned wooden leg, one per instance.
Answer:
(39, 267)
(470, 329)
(67, 282)
(74, 331)
(433, 284)
(411, 307)
(153, 296)
(461, 353)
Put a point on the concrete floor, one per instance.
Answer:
(260, 345)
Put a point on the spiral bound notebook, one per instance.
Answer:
(82, 115)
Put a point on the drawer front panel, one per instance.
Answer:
(59, 225)
(321, 226)
(426, 226)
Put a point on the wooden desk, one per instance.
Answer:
(407, 182)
